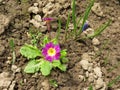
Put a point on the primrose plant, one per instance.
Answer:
(50, 56)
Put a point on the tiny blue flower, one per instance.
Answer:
(86, 25)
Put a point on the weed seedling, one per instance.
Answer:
(53, 83)
(76, 32)
(110, 84)
(12, 46)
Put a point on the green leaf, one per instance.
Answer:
(64, 60)
(110, 84)
(32, 66)
(63, 53)
(45, 68)
(56, 63)
(12, 44)
(30, 51)
(90, 87)
(55, 41)
(45, 40)
(62, 67)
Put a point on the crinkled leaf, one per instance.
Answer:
(30, 51)
(45, 68)
(32, 67)
(45, 41)
(56, 63)
(55, 41)
(63, 53)
(64, 60)
(62, 67)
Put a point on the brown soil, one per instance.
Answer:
(18, 27)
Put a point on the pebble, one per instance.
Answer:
(12, 85)
(81, 78)
(35, 23)
(38, 18)
(99, 84)
(33, 9)
(89, 32)
(15, 69)
(85, 56)
(85, 64)
(48, 8)
(5, 79)
(2, 50)
(97, 9)
(45, 85)
(4, 21)
(95, 41)
(98, 71)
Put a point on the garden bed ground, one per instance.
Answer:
(103, 57)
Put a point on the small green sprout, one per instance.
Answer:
(51, 56)
(110, 84)
(53, 83)
(77, 31)
(12, 46)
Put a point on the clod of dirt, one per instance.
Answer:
(37, 22)
(85, 64)
(98, 71)
(85, 56)
(5, 79)
(97, 9)
(89, 31)
(4, 21)
(12, 85)
(95, 41)
(100, 84)
(15, 69)
(91, 77)
(33, 9)
(48, 8)
(45, 85)
(2, 49)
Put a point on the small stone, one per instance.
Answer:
(95, 41)
(2, 50)
(12, 85)
(4, 21)
(91, 77)
(85, 64)
(98, 71)
(33, 9)
(99, 84)
(13, 68)
(36, 4)
(85, 56)
(81, 78)
(48, 8)
(45, 85)
(38, 18)
(89, 32)
(35, 23)
(9, 58)
(5, 79)
(96, 49)
(87, 74)
(97, 9)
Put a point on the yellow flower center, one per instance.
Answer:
(51, 51)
